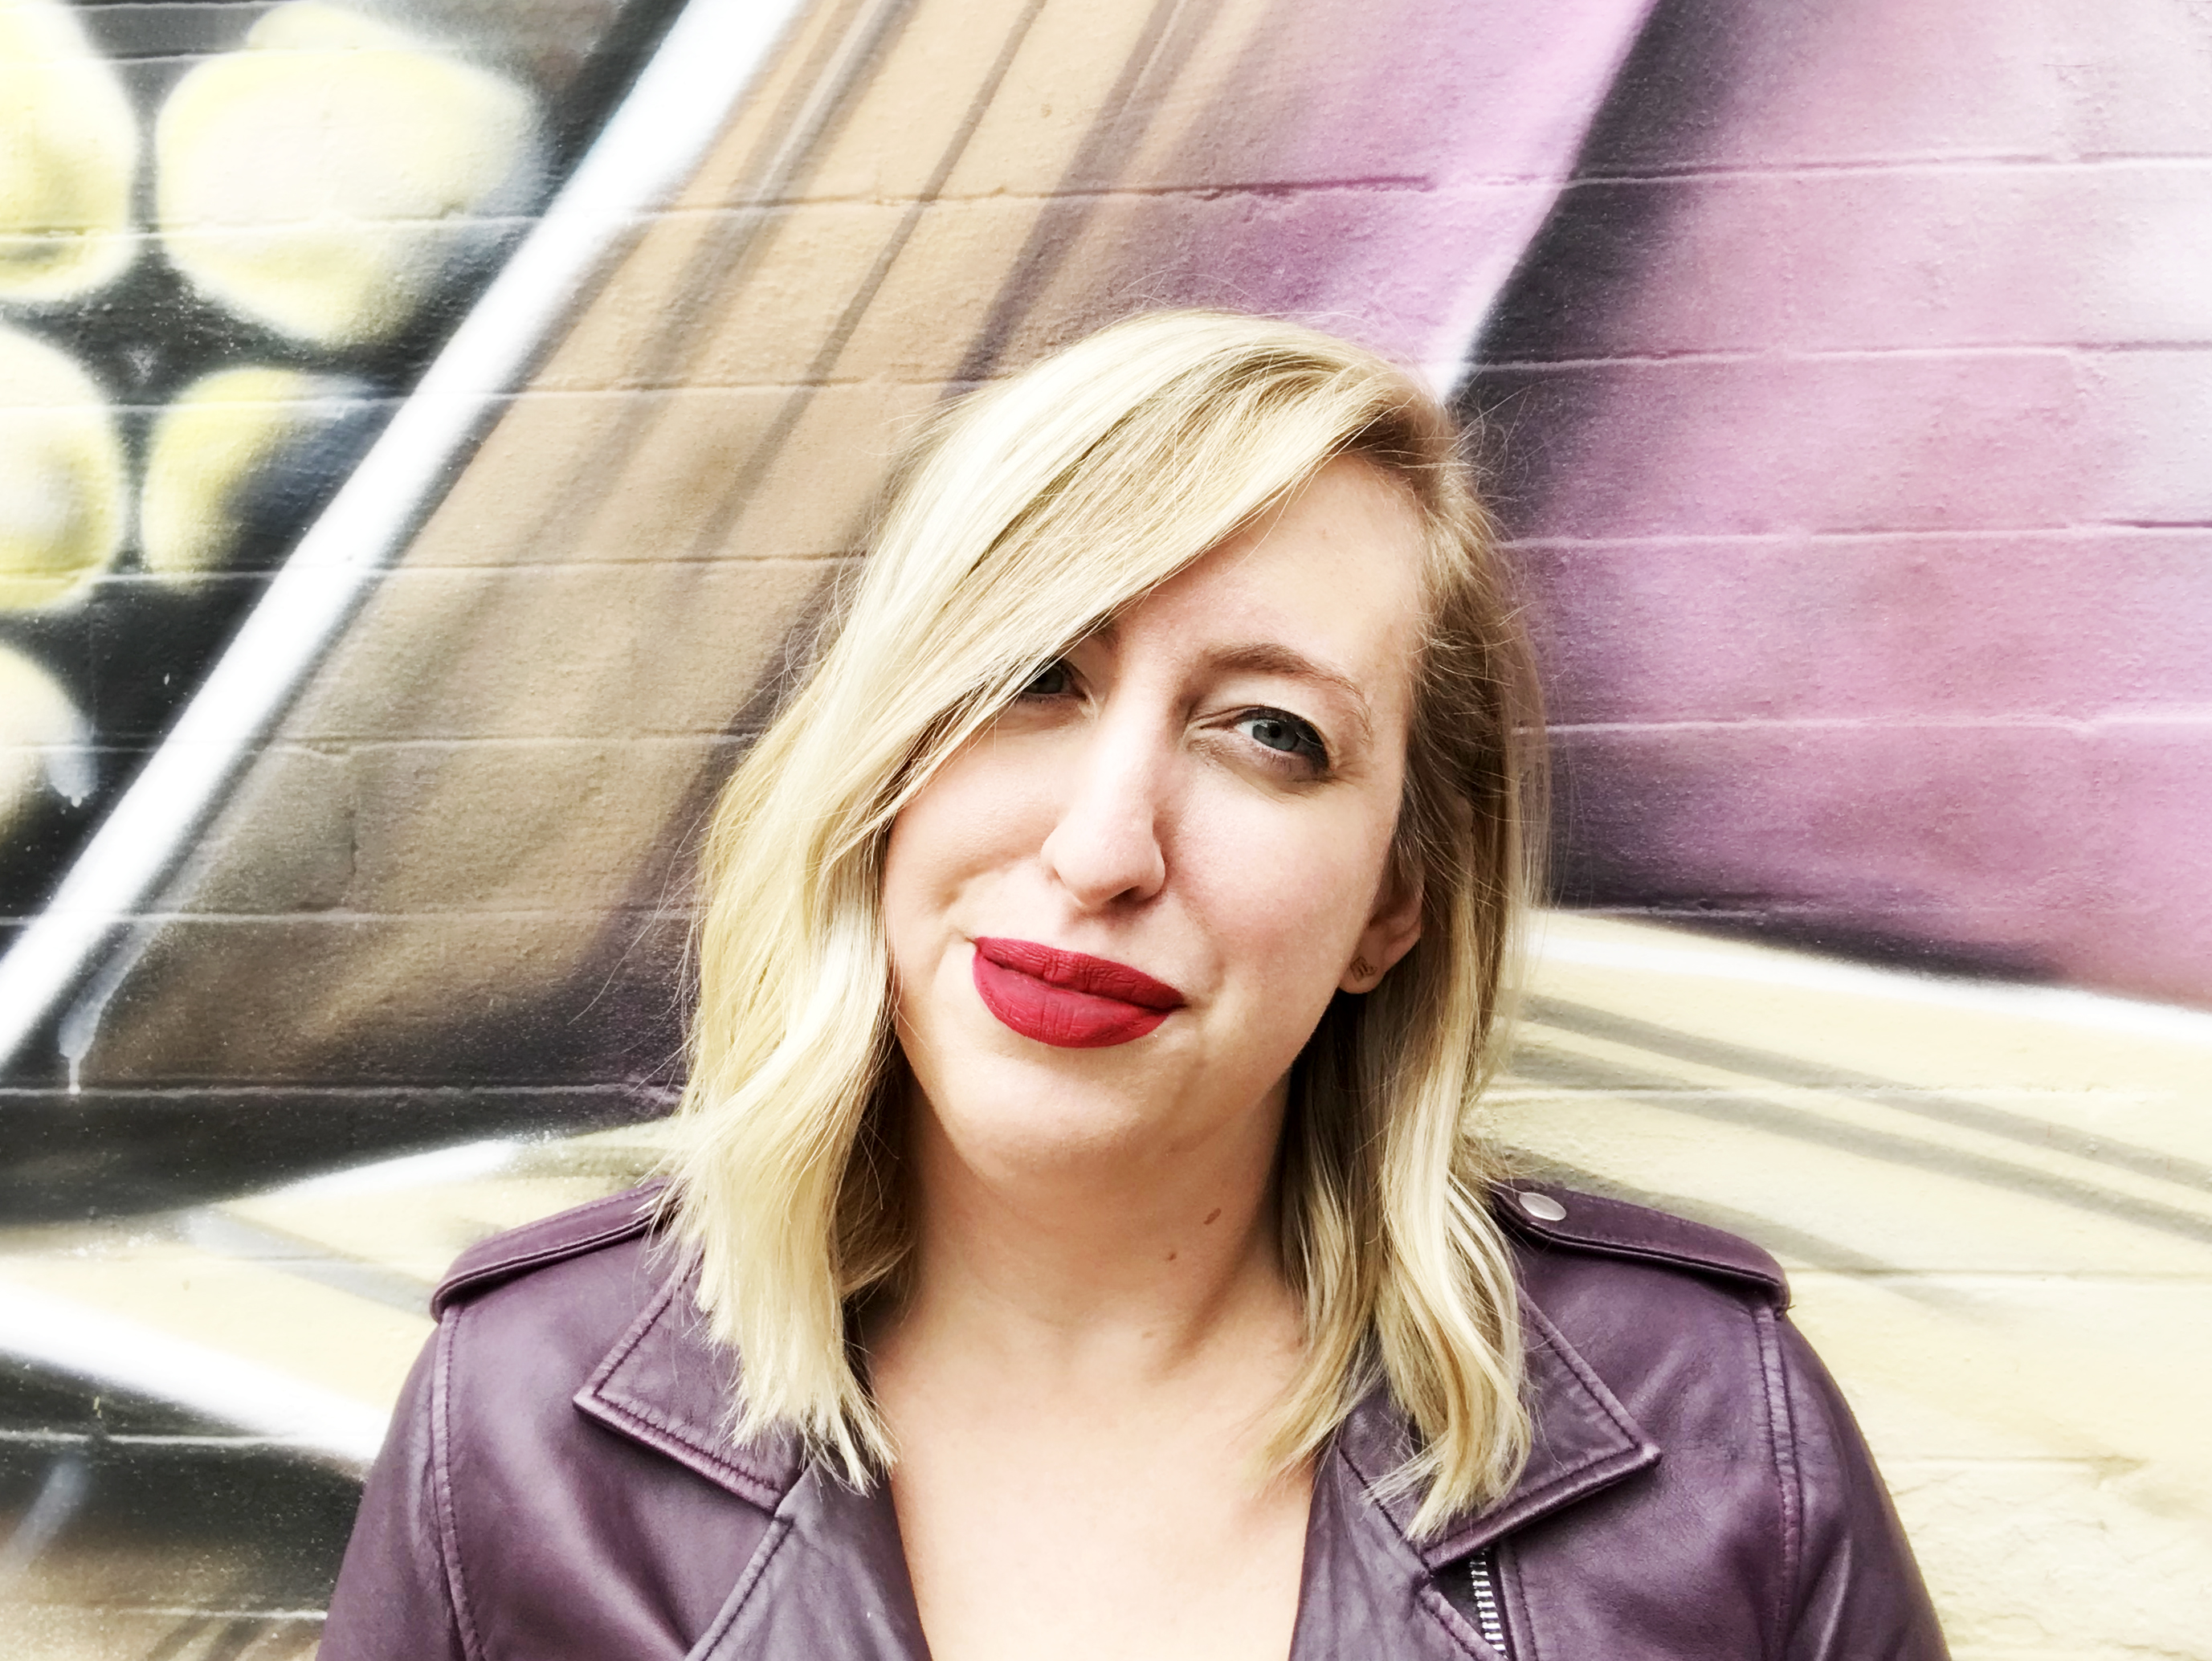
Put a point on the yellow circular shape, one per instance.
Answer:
(69, 148)
(213, 442)
(63, 506)
(325, 180)
(44, 740)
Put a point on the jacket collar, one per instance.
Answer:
(1582, 1439)
(668, 1384)
(830, 1577)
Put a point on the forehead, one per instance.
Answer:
(1334, 573)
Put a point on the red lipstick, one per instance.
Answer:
(1068, 999)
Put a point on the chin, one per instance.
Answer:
(1047, 1106)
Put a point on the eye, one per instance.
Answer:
(1054, 680)
(1286, 734)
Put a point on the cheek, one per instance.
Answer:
(966, 823)
(1286, 904)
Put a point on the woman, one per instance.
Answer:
(1080, 1250)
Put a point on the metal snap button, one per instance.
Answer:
(1542, 1207)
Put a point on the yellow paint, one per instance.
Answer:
(68, 150)
(37, 722)
(2012, 1309)
(294, 1326)
(1992, 1205)
(326, 179)
(211, 442)
(62, 502)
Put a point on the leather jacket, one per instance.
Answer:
(557, 1484)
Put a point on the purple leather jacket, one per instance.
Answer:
(556, 1485)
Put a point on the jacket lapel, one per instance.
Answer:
(1370, 1588)
(1364, 1590)
(665, 1384)
(830, 1576)
(1583, 1440)
(829, 1579)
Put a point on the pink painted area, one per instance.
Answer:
(1863, 428)
(1917, 256)
(2032, 846)
(2049, 627)
(2151, 412)
(1776, 443)
(1857, 361)
(1894, 80)
(1379, 172)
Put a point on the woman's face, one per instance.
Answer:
(1173, 848)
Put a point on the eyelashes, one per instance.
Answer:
(1286, 743)
(1055, 679)
(1290, 736)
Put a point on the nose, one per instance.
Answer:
(1105, 845)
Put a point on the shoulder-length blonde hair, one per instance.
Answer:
(1024, 518)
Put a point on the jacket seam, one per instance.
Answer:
(449, 1544)
(527, 1254)
(1457, 1628)
(1766, 1275)
(660, 1432)
(1515, 1597)
(602, 1398)
(1788, 1479)
(779, 1531)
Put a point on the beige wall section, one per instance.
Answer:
(1996, 1208)
(552, 674)
(1992, 1202)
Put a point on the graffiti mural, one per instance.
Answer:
(230, 238)
(425, 427)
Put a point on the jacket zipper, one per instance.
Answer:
(1489, 1617)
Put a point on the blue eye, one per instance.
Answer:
(1285, 734)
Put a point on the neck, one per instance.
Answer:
(1103, 1269)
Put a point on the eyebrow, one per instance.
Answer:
(1271, 658)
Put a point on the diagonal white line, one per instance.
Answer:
(90, 1343)
(711, 53)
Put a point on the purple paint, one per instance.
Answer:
(1862, 423)
(1379, 174)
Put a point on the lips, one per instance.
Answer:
(1068, 999)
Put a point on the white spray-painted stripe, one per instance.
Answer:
(466, 1162)
(127, 1355)
(1684, 956)
(710, 55)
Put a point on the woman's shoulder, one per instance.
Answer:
(1588, 1245)
(619, 1220)
(1679, 1334)
(1665, 1372)
(1681, 1326)
(532, 1483)
(541, 1310)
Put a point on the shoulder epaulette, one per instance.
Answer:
(1613, 1228)
(549, 1240)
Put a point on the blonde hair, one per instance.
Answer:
(1025, 517)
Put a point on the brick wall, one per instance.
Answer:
(1845, 377)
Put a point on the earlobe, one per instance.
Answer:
(1390, 935)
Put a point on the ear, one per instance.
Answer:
(1390, 931)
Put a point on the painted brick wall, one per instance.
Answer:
(1863, 370)
(1844, 374)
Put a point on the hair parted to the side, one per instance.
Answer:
(1027, 515)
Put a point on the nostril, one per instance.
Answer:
(1103, 855)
